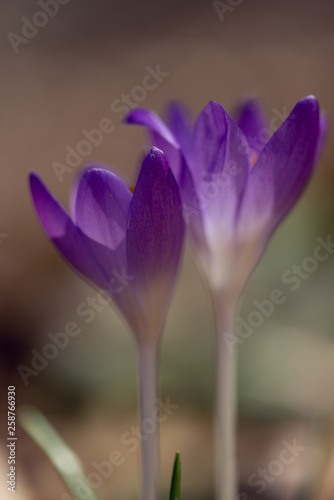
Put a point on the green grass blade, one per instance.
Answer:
(57, 451)
(175, 488)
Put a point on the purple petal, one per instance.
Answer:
(160, 136)
(101, 212)
(155, 235)
(180, 122)
(223, 162)
(152, 121)
(78, 177)
(324, 126)
(64, 234)
(218, 141)
(172, 154)
(94, 260)
(192, 209)
(74, 189)
(253, 121)
(101, 208)
(282, 170)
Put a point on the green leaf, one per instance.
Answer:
(63, 459)
(175, 487)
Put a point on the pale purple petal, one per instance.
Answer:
(102, 206)
(180, 122)
(78, 177)
(223, 163)
(192, 208)
(149, 119)
(218, 142)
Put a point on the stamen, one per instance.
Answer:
(253, 157)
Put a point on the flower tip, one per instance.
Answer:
(127, 117)
(32, 176)
(158, 156)
(311, 97)
(212, 105)
(156, 151)
(131, 116)
(307, 109)
(174, 104)
(311, 101)
(175, 108)
(38, 191)
(250, 102)
(34, 182)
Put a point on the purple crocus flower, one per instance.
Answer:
(130, 245)
(236, 186)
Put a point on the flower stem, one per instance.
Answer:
(148, 393)
(225, 402)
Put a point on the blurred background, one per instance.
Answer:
(66, 77)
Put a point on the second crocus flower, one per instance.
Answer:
(236, 188)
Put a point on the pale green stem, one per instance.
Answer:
(225, 433)
(58, 452)
(148, 355)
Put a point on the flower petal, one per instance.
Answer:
(219, 143)
(77, 179)
(192, 207)
(64, 234)
(170, 141)
(252, 120)
(282, 170)
(324, 126)
(97, 262)
(160, 136)
(223, 163)
(101, 208)
(149, 119)
(101, 212)
(155, 236)
(180, 123)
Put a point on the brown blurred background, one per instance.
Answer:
(64, 80)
